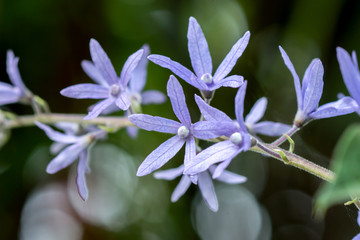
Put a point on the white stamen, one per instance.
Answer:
(236, 138)
(183, 132)
(207, 78)
(114, 90)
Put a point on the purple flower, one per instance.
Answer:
(357, 237)
(225, 151)
(204, 181)
(108, 85)
(185, 131)
(309, 93)
(350, 71)
(78, 147)
(202, 63)
(17, 92)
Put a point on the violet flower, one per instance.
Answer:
(308, 94)
(108, 85)
(185, 131)
(78, 147)
(204, 181)
(350, 71)
(357, 237)
(202, 63)
(225, 151)
(17, 92)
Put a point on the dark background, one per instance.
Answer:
(51, 38)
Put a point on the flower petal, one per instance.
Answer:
(94, 73)
(257, 111)
(210, 113)
(233, 81)
(129, 66)
(181, 188)
(86, 90)
(190, 150)
(81, 178)
(160, 155)
(122, 101)
(13, 71)
(207, 191)
(169, 174)
(272, 129)
(198, 49)
(132, 131)
(158, 124)
(210, 129)
(10, 96)
(229, 177)
(220, 168)
(57, 136)
(178, 70)
(297, 84)
(138, 77)
(102, 62)
(342, 106)
(152, 97)
(216, 153)
(98, 108)
(177, 98)
(231, 58)
(239, 106)
(312, 86)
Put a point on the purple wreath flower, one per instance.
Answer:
(350, 71)
(17, 92)
(78, 147)
(308, 94)
(109, 86)
(225, 151)
(202, 63)
(204, 181)
(185, 131)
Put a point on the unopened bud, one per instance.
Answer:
(183, 132)
(236, 138)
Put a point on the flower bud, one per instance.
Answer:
(183, 132)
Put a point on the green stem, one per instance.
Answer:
(283, 138)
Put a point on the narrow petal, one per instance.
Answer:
(160, 155)
(98, 108)
(354, 58)
(198, 49)
(122, 101)
(208, 191)
(181, 188)
(56, 147)
(132, 131)
(177, 98)
(102, 62)
(11, 96)
(169, 174)
(86, 90)
(229, 177)
(190, 151)
(312, 86)
(357, 237)
(5, 87)
(129, 66)
(158, 124)
(220, 168)
(239, 106)
(257, 111)
(231, 58)
(297, 84)
(342, 106)
(210, 113)
(138, 77)
(178, 70)
(57, 136)
(272, 129)
(233, 81)
(210, 129)
(81, 178)
(13, 71)
(65, 158)
(350, 73)
(216, 153)
(152, 97)
(94, 73)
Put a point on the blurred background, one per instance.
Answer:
(51, 38)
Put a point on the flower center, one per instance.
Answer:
(236, 138)
(183, 132)
(207, 78)
(114, 90)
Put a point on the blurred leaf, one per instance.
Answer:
(346, 165)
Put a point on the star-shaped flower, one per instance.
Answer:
(18, 91)
(204, 181)
(308, 94)
(350, 71)
(225, 151)
(109, 86)
(201, 62)
(78, 148)
(185, 131)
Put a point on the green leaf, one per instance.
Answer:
(346, 165)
